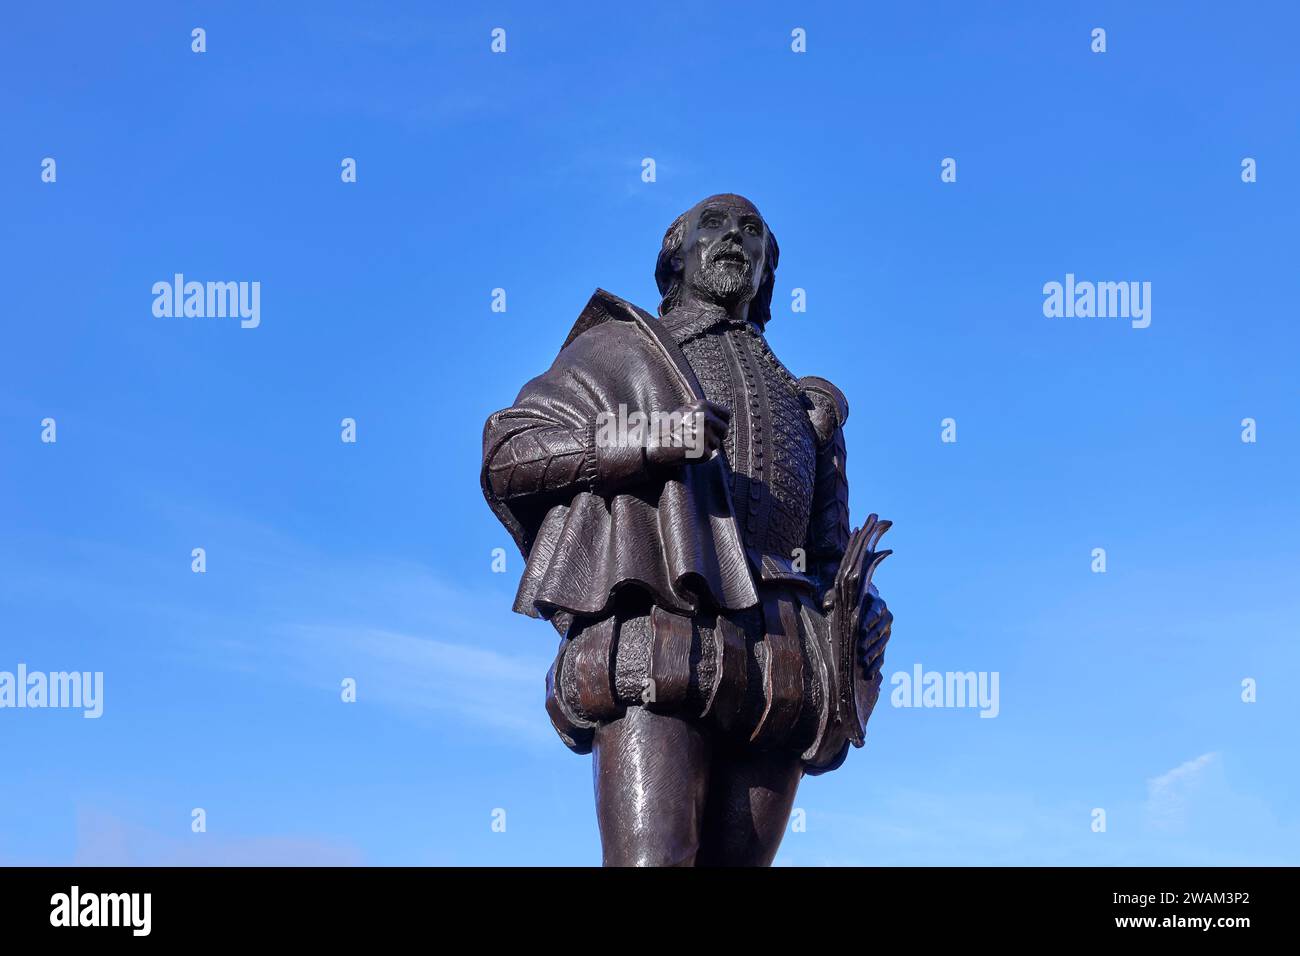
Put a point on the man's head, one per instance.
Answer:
(721, 251)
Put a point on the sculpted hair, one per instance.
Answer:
(670, 282)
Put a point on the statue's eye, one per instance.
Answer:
(751, 229)
(712, 222)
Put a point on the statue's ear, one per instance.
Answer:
(676, 263)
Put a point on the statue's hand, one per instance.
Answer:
(693, 433)
(876, 629)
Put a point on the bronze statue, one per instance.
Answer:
(682, 503)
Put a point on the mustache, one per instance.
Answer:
(730, 252)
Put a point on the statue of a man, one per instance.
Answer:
(693, 568)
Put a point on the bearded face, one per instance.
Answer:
(723, 250)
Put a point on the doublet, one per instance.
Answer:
(769, 444)
(697, 589)
(754, 675)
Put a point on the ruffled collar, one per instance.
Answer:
(688, 323)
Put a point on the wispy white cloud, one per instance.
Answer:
(106, 840)
(434, 648)
(1168, 794)
(414, 674)
(426, 646)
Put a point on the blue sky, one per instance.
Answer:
(522, 171)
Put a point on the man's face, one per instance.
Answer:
(724, 250)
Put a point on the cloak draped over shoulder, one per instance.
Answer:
(674, 536)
